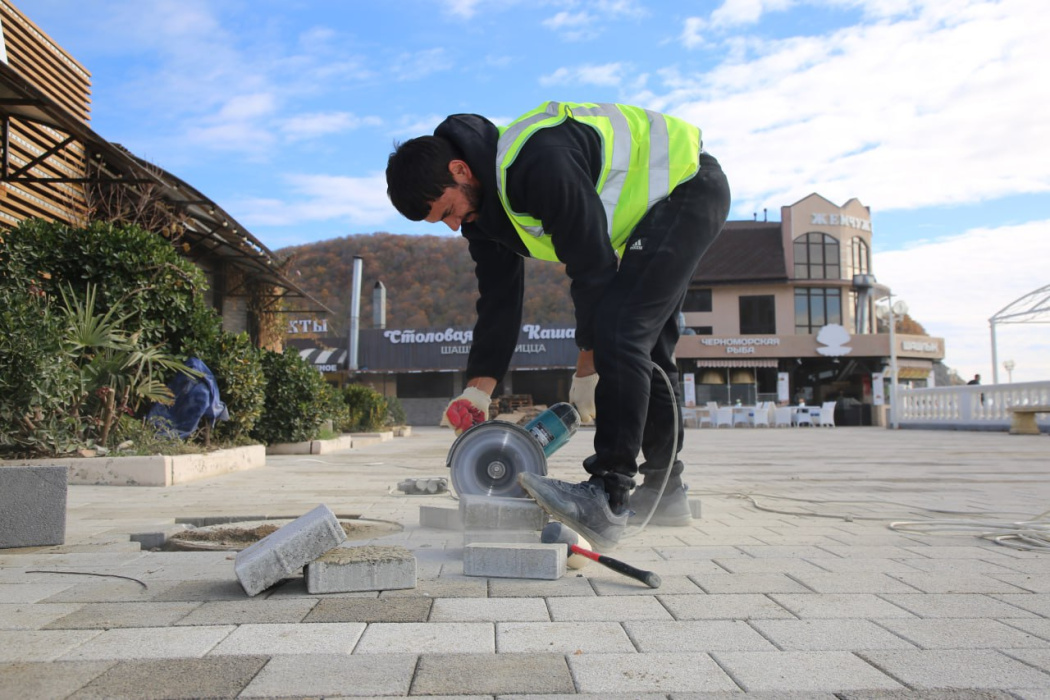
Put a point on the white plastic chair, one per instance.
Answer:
(761, 414)
(724, 416)
(782, 417)
(827, 414)
(802, 415)
(742, 416)
(706, 417)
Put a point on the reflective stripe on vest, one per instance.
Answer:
(645, 155)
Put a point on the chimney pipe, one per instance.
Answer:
(355, 314)
(379, 305)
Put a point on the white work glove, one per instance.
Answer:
(581, 395)
(466, 410)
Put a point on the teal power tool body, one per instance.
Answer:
(487, 459)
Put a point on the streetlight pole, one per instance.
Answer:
(1009, 367)
(894, 421)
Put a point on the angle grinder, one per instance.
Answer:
(487, 459)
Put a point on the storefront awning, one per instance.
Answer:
(737, 363)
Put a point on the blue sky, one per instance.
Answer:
(933, 113)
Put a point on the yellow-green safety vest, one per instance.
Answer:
(645, 155)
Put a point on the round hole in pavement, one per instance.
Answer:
(236, 535)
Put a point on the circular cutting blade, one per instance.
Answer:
(487, 459)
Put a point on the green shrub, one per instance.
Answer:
(237, 366)
(395, 412)
(367, 409)
(294, 406)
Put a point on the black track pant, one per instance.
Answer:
(637, 325)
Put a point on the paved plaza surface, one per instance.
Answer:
(791, 584)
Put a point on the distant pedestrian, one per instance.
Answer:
(976, 380)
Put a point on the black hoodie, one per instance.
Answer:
(553, 180)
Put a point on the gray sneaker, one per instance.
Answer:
(671, 511)
(583, 507)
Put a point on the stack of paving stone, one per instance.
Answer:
(313, 541)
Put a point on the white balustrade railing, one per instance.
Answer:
(973, 407)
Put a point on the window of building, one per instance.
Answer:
(697, 300)
(758, 314)
(860, 257)
(816, 307)
(817, 257)
(425, 385)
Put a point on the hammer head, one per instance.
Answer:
(557, 533)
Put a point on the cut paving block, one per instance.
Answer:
(501, 537)
(32, 505)
(440, 518)
(498, 513)
(288, 549)
(367, 568)
(543, 561)
(152, 539)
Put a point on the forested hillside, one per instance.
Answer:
(429, 280)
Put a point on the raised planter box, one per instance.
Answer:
(32, 505)
(344, 442)
(155, 470)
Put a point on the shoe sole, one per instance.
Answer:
(598, 542)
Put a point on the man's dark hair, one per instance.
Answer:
(417, 174)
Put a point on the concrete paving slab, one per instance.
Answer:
(863, 566)
(955, 582)
(618, 584)
(371, 610)
(31, 592)
(54, 679)
(562, 637)
(328, 638)
(842, 605)
(427, 638)
(40, 645)
(947, 669)
(111, 615)
(146, 643)
(830, 635)
(1034, 583)
(252, 611)
(959, 605)
(570, 585)
(829, 671)
(768, 565)
(361, 568)
(489, 610)
(1038, 603)
(210, 677)
(958, 633)
(445, 587)
(333, 675)
(699, 636)
(111, 590)
(540, 561)
(655, 672)
(729, 606)
(608, 608)
(747, 583)
(496, 674)
(199, 590)
(857, 582)
(19, 616)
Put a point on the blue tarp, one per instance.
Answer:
(195, 399)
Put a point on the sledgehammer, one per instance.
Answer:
(555, 533)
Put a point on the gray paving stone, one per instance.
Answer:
(110, 615)
(655, 672)
(829, 671)
(489, 610)
(834, 605)
(1040, 627)
(201, 590)
(768, 565)
(562, 637)
(954, 694)
(32, 505)
(500, 536)
(112, 590)
(147, 643)
(40, 645)
(249, 611)
(857, 582)
(608, 608)
(371, 610)
(748, 583)
(956, 633)
(444, 587)
(54, 679)
(333, 675)
(29, 616)
(541, 561)
(496, 513)
(440, 517)
(365, 568)
(958, 566)
(613, 583)
(31, 592)
(786, 552)
(328, 638)
(706, 635)
(1035, 583)
(569, 585)
(946, 669)
(210, 677)
(288, 549)
(427, 637)
(495, 674)
(957, 605)
(729, 606)
(829, 635)
(1038, 603)
(848, 565)
(955, 583)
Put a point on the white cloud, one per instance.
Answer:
(358, 201)
(954, 285)
(306, 126)
(606, 75)
(420, 64)
(937, 108)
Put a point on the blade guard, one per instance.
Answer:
(487, 459)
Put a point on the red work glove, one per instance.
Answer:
(467, 410)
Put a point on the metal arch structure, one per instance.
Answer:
(1033, 307)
